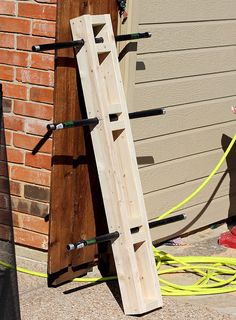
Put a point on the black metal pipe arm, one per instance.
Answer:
(62, 45)
(95, 121)
(114, 235)
(99, 239)
(70, 44)
(71, 124)
(147, 113)
(158, 223)
(133, 36)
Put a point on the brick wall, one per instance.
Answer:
(28, 80)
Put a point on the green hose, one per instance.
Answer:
(216, 274)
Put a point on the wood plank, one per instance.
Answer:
(186, 90)
(176, 64)
(161, 201)
(117, 167)
(184, 117)
(179, 171)
(186, 36)
(162, 11)
(75, 193)
(197, 217)
(169, 147)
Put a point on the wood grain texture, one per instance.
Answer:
(117, 167)
(76, 202)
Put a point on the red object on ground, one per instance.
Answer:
(228, 239)
(233, 231)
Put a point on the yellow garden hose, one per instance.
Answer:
(216, 274)
(202, 185)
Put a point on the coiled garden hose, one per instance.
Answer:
(216, 274)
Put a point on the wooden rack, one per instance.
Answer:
(116, 163)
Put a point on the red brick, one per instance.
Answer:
(46, 1)
(8, 137)
(26, 42)
(30, 222)
(15, 155)
(5, 232)
(7, 40)
(44, 29)
(4, 200)
(4, 187)
(37, 127)
(28, 206)
(15, 188)
(13, 123)
(2, 153)
(3, 169)
(14, 58)
(30, 238)
(6, 73)
(37, 11)
(42, 61)
(13, 90)
(15, 25)
(7, 105)
(40, 161)
(43, 78)
(41, 95)
(5, 217)
(37, 193)
(7, 7)
(35, 110)
(28, 142)
(29, 175)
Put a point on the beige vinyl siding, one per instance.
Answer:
(188, 66)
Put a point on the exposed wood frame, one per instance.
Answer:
(75, 193)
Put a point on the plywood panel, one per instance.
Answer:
(185, 90)
(184, 117)
(175, 64)
(179, 171)
(182, 144)
(76, 202)
(161, 11)
(186, 36)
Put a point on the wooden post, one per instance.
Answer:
(76, 200)
(116, 163)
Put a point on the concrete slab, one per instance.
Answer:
(81, 301)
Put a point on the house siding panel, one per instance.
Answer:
(188, 67)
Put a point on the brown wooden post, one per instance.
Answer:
(76, 202)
